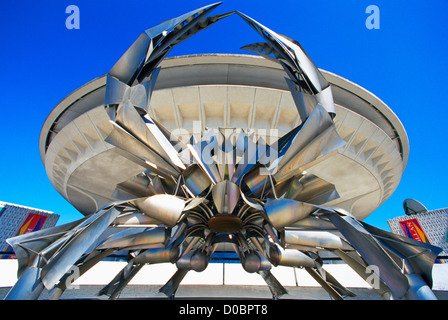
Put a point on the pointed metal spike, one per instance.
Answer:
(147, 132)
(316, 138)
(371, 252)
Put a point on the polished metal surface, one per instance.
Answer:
(275, 192)
(284, 212)
(316, 238)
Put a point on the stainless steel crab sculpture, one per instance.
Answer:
(223, 186)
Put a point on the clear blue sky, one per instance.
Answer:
(403, 63)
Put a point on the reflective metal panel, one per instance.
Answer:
(228, 189)
(290, 258)
(28, 286)
(157, 255)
